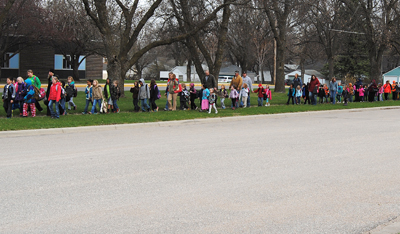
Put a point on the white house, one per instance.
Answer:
(393, 75)
(307, 76)
(181, 73)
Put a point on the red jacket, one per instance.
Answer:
(260, 92)
(387, 88)
(312, 84)
(55, 92)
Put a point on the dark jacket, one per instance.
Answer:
(153, 92)
(210, 82)
(297, 82)
(114, 91)
(135, 92)
(9, 93)
(20, 92)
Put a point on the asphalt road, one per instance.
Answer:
(303, 173)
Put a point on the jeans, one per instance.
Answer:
(351, 98)
(87, 105)
(96, 101)
(115, 105)
(223, 103)
(298, 100)
(260, 101)
(71, 103)
(248, 101)
(57, 114)
(339, 97)
(333, 97)
(144, 104)
(62, 104)
(313, 98)
(166, 104)
(136, 105)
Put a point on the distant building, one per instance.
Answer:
(393, 75)
(41, 58)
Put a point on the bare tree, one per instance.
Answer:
(121, 34)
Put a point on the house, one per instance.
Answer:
(230, 71)
(40, 58)
(307, 76)
(181, 73)
(393, 75)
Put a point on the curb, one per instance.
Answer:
(54, 131)
(393, 227)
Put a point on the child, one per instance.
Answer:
(115, 94)
(54, 97)
(97, 97)
(223, 94)
(135, 95)
(345, 95)
(193, 97)
(299, 93)
(204, 98)
(107, 95)
(291, 94)
(380, 92)
(211, 100)
(244, 94)
(268, 95)
(361, 91)
(154, 95)
(233, 96)
(62, 99)
(29, 99)
(366, 93)
(394, 88)
(184, 97)
(326, 90)
(20, 89)
(200, 96)
(70, 89)
(8, 97)
(88, 94)
(260, 94)
(350, 90)
(339, 93)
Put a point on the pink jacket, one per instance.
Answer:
(360, 92)
(380, 90)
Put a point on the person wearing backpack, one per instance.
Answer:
(313, 89)
(144, 95)
(88, 95)
(20, 88)
(70, 90)
(173, 88)
(115, 94)
(154, 95)
(193, 97)
(63, 111)
(8, 97)
(135, 92)
(260, 94)
(107, 95)
(29, 99)
(97, 97)
(55, 97)
(184, 98)
(49, 78)
(35, 82)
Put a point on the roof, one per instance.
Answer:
(394, 72)
(308, 72)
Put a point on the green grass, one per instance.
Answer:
(75, 118)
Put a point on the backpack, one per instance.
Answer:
(186, 93)
(158, 92)
(75, 92)
(38, 96)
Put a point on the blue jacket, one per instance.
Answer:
(88, 92)
(333, 87)
(340, 90)
(292, 92)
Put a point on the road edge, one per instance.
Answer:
(53, 131)
(392, 227)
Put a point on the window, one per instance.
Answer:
(60, 63)
(11, 61)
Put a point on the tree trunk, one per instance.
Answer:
(302, 69)
(262, 74)
(115, 72)
(189, 71)
(280, 64)
(331, 64)
(376, 69)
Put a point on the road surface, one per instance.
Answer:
(327, 172)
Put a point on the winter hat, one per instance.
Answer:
(51, 70)
(28, 82)
(394, 82)
(260, 85)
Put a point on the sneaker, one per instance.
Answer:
(89, 113)
(83, 113)
(74, 107)
(209, 112)
(216, 112)
(117, 110)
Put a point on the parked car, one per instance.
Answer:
(224, 79)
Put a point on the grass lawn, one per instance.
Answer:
(75, 118)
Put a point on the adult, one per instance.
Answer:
(357, 84)
(209, 81)
(387, 89)
(172, 85)
(372, 90)
(297, 81)
(247, 80)
(394, 91)
(49, 83)
(144, 95)
(35, 82)
(312, 88)
(167, 91)
(333, 88)
(237, 81)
